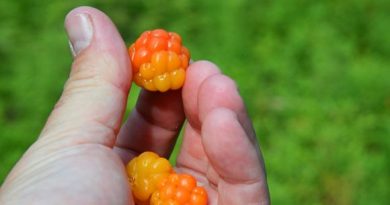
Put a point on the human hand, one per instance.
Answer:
(80, 154)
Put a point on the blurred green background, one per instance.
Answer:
(315, 76)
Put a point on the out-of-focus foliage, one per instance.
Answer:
(315, 76)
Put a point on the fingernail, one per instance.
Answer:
(80, 31)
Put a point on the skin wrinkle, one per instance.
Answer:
(74, 94)
(68, 135)
(84, 83)
(109, 63)
(154, 124)
(44, 158)
(82, 86)
(35, 174)
(193, 150)
(195, 134)
(69, 93)
(148, 119)
(231, 181)
(152, 128)
(212, 176)
(154, 105)
(16, 178)
(81, 70)
(58, 129)
(151, 124)
(197, 124)
(109, 138)
(226, 190)
(79, 94)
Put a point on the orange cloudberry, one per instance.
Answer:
(159, 60)
(179, 189)
(145, 172)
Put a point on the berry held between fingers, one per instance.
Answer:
(145, 173)
(159, 61)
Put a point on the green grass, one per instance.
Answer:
(315, 76)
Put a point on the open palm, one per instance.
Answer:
(80, 155)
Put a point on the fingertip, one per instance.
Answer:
(86, 10)
(82, 9)
(197, 72)
(219, 91)
(105, 46)
(203, 64)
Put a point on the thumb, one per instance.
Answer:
(92, 104)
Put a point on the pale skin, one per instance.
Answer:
(80, 155)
